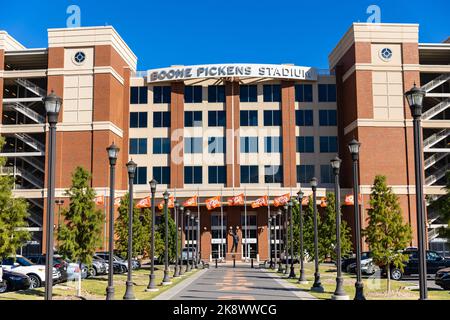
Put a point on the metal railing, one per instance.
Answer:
(436, 82)
(437, 175)
(32, 142)
(435, 138)
(433, 159)
(31, 87)
(436, 109)
(33, 115)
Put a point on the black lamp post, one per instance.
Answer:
(286, 238)
(302, 278)
(197, 240)
(131, 168)
(317, 285)
(271, 264)
(59, 203)
(152, 284)
(415, 99)
(280, 265)
(188, 218)
(176, 273)
(339, 293)
(354, 146)
(292, 273)
(166, 280)
(182, 240)
(193, 262)
(52, 106)
(112, 150)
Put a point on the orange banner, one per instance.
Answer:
(261, 202)
(99, 201)
(305, 201)
(170, 203)
(192, 202)
(349, 200)
(117, 201)
(213, 203)
(323, 202)
(144, 203)
(236, 200)
(281, 201)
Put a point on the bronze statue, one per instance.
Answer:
(235, 240)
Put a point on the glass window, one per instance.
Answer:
(249, 144)
(193, 94)
(161, 145)
(138, 120)
(248, 93)
(193, 175)
(216, 93)
(249, 118)
(303, 93)
(217, 174)
(249, 174)
(273, 174)
(326, 174)
(217, 118)
(161, 94)
(327, 93)
(140, 176)
(162, 174)
(216, 145)
(328, 117)
(161, 119)
(138, 95)
(305, 173)
(138, 146)
(193, 145)
(304, 118)
(193, 119)
(328, 144)
(273, 144)
(272, 93)
(272, 118)
(305, 144)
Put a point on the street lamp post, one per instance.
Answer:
(113, 151)
(317, 285)
(131, 168)
(166, 279)
(354, 146)
(302, 278)
(280, 265)
(286, 239)
(197, 250)
(415, 99)
(176, 274)
(188, 216)
(52, 106)
(271, 265)
(59, 203)
(339, 293)
(193, 262)
(292, 273)
(152, 283)
(182, 240)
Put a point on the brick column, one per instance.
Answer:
(206, 234)
(176, 135)
(263, 234)
(288, 134)
(233, 122)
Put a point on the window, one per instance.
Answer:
(161, 145)
(327, 93)
(272, 93)
(193, 175)
(138, 146)
(273, 144)
(217, 174)
(249, 118)
(304, 118)
(328, 117)
(273, 174)
(161, 94)
(193, 119)
(138, 119)
(193, 94)
(140, 176)
(272, 118)
(193, 145)
(249, 174)
(161, 119)
(217, 118)
(328, 144)
(249, 144)
(303, 93)
(326, 174)
(216, 93)
(305, 173)
(216, 145)
(138, 95)
(248, 93)
(305, 144)
(162, 174)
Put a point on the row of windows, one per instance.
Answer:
(248, 145)
(249, 174)
(247, 93)
(248, 118)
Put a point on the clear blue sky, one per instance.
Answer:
(162, 33)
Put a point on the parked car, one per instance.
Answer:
(123, 265)
(442, 278)
(368, 267)
(69, 270)
(434, 262)
(135, 264)
(117, 267)
(13, 281)
(98, 267)
(283, 259)
(348, 261)
(35, 272)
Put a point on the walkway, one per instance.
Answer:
(240, 283)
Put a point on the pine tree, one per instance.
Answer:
(141, 229)
(442, 206)
(386, 233)
(13, 216)
(160, 242)
(80, 235)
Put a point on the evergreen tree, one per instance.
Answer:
(386, 233)
(13, 216)
(141, 229)
(80, 235)
(442, 206)
(160, 239)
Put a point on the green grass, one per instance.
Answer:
(374, 288)
(95, 289)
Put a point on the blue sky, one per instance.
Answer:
(163, 33)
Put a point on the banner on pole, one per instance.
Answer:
(144, 203)
(281, 201)
(350, 201)
(191, 202)
(99, 201)
(170, 203)
(261, 202)
(213, 203)
(236, 200)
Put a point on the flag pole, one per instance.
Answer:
(104, 226)
(199, 244)
(221, 224)
(269, 224)
(246, 228)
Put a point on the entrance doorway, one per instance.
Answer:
(249, 246)
(218, 236)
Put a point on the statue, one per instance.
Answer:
(235, 240)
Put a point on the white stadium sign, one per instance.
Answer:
(232, 70)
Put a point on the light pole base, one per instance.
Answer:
(318, 289)
(110, 293)
(292, 273)
(359, 294)
(339, 297)
(168, 283)
(129, 295)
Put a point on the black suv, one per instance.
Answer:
(435, 262)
